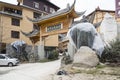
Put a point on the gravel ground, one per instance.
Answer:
(96, 73)
(83, 76)
(29, 71)
(47, 71)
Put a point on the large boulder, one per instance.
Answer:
(85, 57)
(85, 34)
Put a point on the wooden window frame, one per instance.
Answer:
(36, 5)
(36, 15)
(52, 10)
(15, 22)
(15, 34)
(45, 8)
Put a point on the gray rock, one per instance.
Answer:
(85, 57)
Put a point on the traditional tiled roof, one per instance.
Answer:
(102, 10)
(49, 16)
(31, 34)
(55, 14)
(89, 19)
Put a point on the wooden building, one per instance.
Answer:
(54, 27)
(99, 15)
(13, 19)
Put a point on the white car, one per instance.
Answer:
(7, 60)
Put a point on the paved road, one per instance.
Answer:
(30, 71)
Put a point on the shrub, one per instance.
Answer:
(45, 60)
(111, 52)
(54, 55)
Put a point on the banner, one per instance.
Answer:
(117, 8)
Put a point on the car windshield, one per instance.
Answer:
(9, 56)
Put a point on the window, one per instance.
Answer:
(15, 22)
(52, 10)
(2, 57)
(118, 3)
(36, 5)
(36, 15)
(118, 12)
(15, 34)
(54, 27)
(13, 11)
(45, 8)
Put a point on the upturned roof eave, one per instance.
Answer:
(63, 12)
(52, 18)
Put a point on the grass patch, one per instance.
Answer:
(75, 71)
(91, 71)
(99, 66)
(100, 69)
(87, 71)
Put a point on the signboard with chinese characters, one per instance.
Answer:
(117, 8)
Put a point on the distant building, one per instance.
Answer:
(13, 19)
(99, 15)
(113, 30)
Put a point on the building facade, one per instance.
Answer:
(13, 19)
(54, 28)
(109, 28)
(99, 15)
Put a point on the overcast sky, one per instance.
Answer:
(81, 5)
(88, 5)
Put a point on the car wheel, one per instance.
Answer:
(10, 64)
